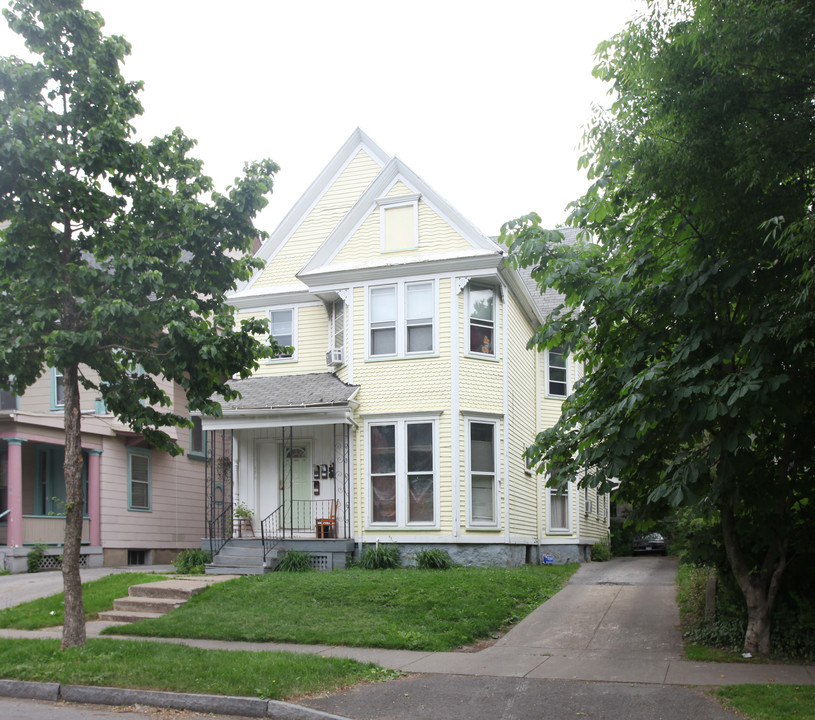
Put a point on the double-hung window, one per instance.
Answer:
(338, 325)
(556, 380)
(402, 472)
(481, 318)
(282, 327)
(558, 518)
(402, 319)
(138, 480)
(482, 471)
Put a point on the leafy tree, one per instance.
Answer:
(693, 307)
(111, 256)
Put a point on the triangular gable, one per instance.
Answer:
(393, 177)
(358, 150)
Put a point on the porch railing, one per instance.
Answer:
(298, 519)
(220, 530)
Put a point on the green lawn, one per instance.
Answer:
(164, 666)
(407, 608)
(97, 594)
(770, 702)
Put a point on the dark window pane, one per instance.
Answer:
(383, 491)
(420, 447)
(482, 447)
(383, 342)
(383, 454)
(482, 498)
(420, 488)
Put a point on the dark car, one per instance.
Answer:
(648, 543)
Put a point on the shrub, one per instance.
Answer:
(34, 557)
(295, 561)
(192, 561)
(380, 557)
(600, 552)
(433, 560)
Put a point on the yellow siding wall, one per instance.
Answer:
(319, 223)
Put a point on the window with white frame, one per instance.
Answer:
(556, 374)
(402, 319)
(138, 480)
(402, 472)
(399, 218)
(282, 327)
(338, 325)
(482, 471)
(57, 389)
(481, 319)
(558, 518)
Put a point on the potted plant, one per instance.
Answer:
(243, 516)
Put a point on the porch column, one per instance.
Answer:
(14, 537)
(94, 497)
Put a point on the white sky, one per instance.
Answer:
(484, 100)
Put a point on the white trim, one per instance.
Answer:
(400, 321)
(568, 383)
(400, 421)
(411, 201)
(471, 524)
(506, 427)
(284, 358)
(455, 408)
(569, 529)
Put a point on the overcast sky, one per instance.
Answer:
(486, 101)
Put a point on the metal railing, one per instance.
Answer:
(298, 519)
(220, 530)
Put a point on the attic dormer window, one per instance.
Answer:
(399, 223)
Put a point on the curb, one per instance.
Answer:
(221, 704)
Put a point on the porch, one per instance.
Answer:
(279, 473)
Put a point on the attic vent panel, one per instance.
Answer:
(399, 227)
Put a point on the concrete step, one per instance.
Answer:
(223, 569)
(122, 616)
(159, 606)
(237, 560)
(171, 589)
(241, 550)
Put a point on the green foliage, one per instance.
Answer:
(380, 557)
(162, 666)
(115, 254)
(242, 510)
(600, 552)
(34, 557)
(98, 595)
(401, 609)
(693, 311)
(192, 561)
(295, 561)
(434, 560)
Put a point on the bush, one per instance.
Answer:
(600, 552)
(380, 557)
(294, 561)
(192, 561)
(34, 557)
(433, 560)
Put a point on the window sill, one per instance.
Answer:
(417, 356)
(481, 356)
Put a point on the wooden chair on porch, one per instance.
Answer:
(326, 527)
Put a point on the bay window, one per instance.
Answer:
(482, 471)
(481, 314)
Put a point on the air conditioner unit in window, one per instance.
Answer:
(335, 356)
(589, 506)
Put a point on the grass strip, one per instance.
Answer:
(176, 668)
(97, 594)
(770, 702)
(401, 609)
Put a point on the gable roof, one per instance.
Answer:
(357, 141)
(396, 171)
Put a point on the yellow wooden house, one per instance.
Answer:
(401, 409)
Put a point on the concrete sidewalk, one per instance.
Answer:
(615, 623)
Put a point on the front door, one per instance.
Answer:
(295, 489)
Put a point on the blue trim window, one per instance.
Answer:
(139, 480)
(198, 438)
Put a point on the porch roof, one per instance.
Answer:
(312, 399)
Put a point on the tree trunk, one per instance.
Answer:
(759, 585)
(73, 630)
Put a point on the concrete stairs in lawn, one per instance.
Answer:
(241, 557)
(152, 600)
